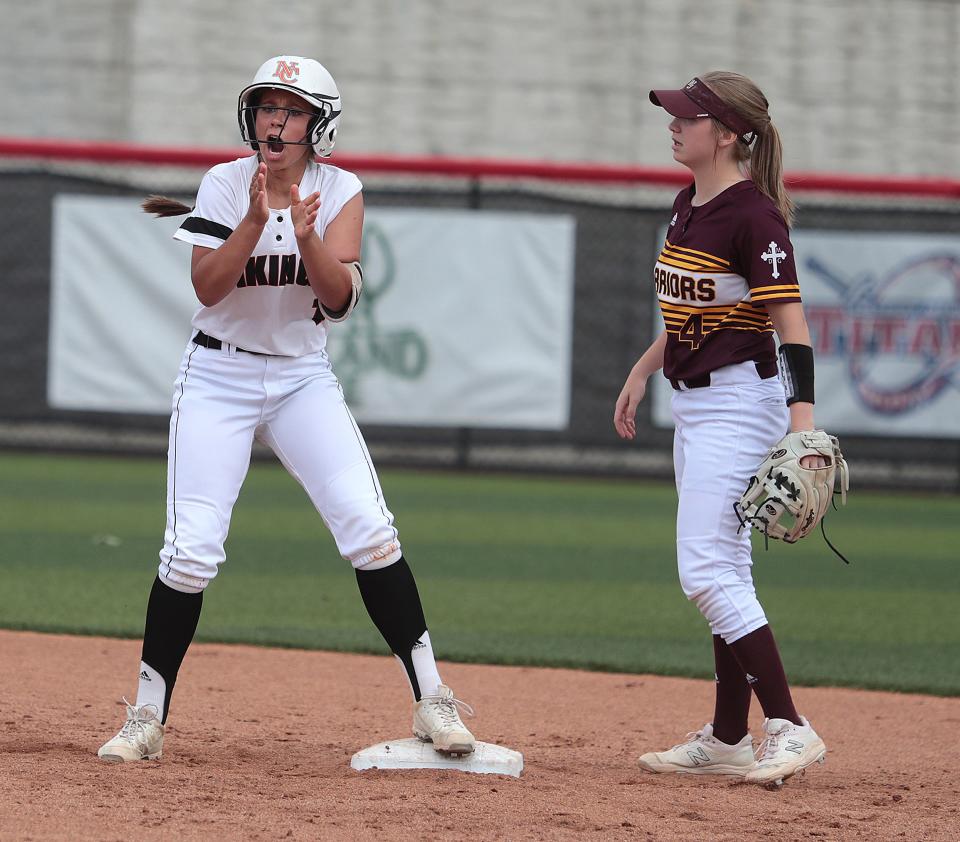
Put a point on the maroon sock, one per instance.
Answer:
(733, 695)
(759, 658)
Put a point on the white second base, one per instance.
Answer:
(412, 753)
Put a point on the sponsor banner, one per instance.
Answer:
(465, 319)
(884, 317)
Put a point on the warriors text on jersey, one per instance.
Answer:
(722, 262)
(272, 309)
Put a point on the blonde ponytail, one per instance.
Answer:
(766, 169)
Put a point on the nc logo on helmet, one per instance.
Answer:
(287, 71)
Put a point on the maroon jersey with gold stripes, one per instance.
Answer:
(721, 263)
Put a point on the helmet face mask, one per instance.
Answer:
(310, 81)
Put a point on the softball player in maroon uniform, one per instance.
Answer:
(276, 240)
(726, 280)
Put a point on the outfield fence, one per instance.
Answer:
(880, 259)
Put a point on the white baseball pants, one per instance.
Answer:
(224, 398)
(723, 432)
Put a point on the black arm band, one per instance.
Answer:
(796, 371)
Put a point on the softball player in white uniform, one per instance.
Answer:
(725, 280)
(276, 245)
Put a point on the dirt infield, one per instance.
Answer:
(259, 744)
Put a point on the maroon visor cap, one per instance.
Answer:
(697, 100)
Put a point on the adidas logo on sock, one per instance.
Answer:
(419, 645)
(144, 676)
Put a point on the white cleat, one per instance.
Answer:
(703, 754)
(786, 750)
(140, 738)
(436, 720)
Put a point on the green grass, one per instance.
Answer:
(518, 570)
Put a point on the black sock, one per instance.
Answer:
(733, 695)
(172, 618)
(393, 602)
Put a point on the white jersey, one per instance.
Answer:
(273, 309)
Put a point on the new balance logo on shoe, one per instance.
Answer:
(702, 754)
(781, 755)
(144, 676)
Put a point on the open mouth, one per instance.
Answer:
(274, 144)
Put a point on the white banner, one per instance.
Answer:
(465, 319)
(884, 316)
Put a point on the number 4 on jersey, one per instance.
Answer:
(692, 330)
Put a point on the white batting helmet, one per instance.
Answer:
(306, 78)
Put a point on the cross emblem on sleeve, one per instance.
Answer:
(773, 257)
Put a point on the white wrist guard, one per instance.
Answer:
(356, 287)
